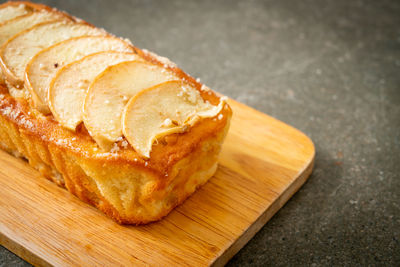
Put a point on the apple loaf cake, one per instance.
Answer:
(119, 127)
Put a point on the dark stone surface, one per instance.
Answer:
(329, 68)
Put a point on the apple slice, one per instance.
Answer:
(109, 93)
(12, 10)
(68, 88)
(45, 64)
(11, 27)
(17, 51)
(167, 108)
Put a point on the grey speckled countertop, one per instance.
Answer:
(329, 68)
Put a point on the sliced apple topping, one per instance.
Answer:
(110, 92)
(17, 51)
(11, 27)
(167, 108)
(45, 64)
(69, 87)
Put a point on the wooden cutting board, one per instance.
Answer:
(263, 163)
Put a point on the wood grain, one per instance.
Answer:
(262, 164)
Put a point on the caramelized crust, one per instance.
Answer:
(123, 185)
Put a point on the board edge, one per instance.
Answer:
(22, 252)
(270, 211)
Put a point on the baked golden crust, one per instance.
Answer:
(123, 185)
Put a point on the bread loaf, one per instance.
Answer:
(132, 135)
